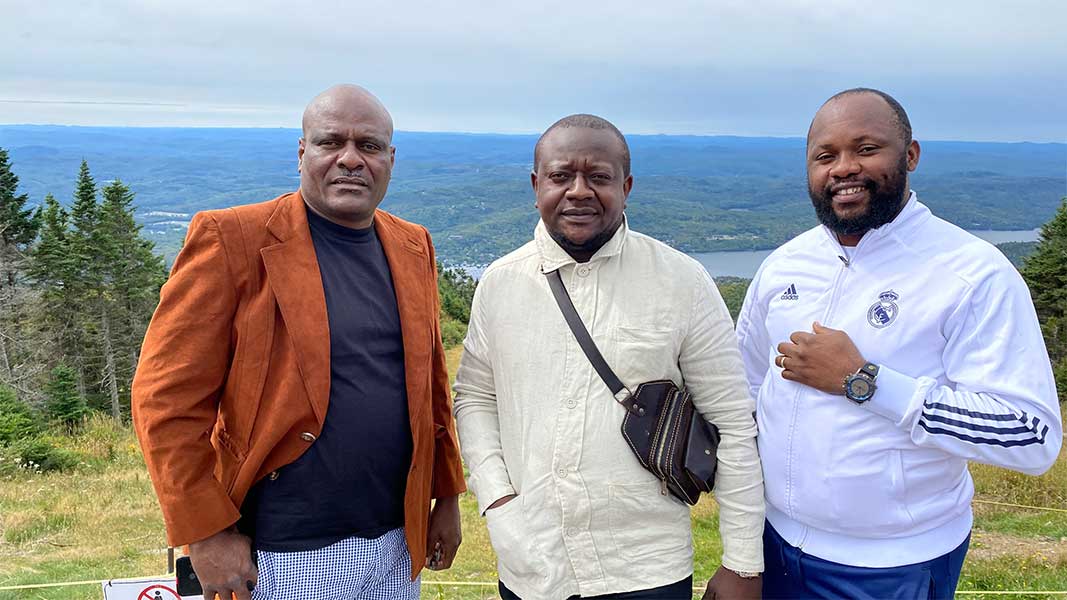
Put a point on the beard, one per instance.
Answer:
(884, 202)
(588, 247)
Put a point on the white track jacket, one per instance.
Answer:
(964, 375)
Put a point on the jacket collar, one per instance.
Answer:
(912, 215)
(554, 257)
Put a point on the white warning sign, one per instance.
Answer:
(150, 588)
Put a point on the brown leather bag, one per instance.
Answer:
(667, 434)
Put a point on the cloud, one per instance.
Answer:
(685, 66)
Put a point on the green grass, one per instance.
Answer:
(101, 521)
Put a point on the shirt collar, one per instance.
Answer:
(554, 257)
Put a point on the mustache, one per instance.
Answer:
(863, 182)
(351, 178)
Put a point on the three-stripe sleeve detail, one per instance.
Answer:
(997, 429)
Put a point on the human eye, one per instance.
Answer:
(370, 147)
(601, 178)
(559, 176)
(868, 149)
(823, 157)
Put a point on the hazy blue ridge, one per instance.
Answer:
(472, 191)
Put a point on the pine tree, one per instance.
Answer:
(51, 271)
(130, 278)
(18, 228)
(64, 406)
(1045, 272)
(17, 421)
(83, 283)
(51, 265)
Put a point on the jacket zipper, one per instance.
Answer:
(826, 320)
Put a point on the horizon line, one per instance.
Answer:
(511, 133)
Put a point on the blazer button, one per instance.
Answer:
(307, 436)
(273, 475)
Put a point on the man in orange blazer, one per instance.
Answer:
(292, 396)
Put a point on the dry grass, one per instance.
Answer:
(101, 521)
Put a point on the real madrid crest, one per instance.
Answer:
(884, 312)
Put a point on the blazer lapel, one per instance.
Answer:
(408, 260)
(293, 272)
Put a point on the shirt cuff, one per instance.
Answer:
(894, 395)
(488, 490)
(743, 554)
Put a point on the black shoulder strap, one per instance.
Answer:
(574, 321)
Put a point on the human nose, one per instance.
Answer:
(579, 188)
(350, 158)
(844, 166)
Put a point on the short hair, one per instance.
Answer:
(588, 122)
(903, 123)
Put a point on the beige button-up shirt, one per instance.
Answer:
(536, 420)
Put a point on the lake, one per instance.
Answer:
(745, 263)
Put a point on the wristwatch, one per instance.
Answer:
(744, 574)
(859, 386)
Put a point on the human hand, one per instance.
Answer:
(821, 359)
(223, 565)
(443, 537)
(727, 585)
(501, 501)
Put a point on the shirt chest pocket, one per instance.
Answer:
(641, 354)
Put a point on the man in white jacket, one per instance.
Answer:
(886, 348)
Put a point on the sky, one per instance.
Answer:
(964, 70)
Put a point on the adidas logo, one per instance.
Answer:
(790, 292)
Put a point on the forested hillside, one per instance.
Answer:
(472, 191)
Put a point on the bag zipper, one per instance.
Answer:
(661, 440)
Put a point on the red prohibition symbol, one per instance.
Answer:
(162, 593)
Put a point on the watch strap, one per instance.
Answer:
(868, 369)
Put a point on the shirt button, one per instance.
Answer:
(562, 472)
(572, 403)
(583, 271)
(273, 475)
(571, 531)
(307, 436)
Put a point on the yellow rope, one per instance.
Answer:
(1061, 510)
(1010, 593)
(33, 586)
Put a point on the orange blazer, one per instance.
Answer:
(234, 376)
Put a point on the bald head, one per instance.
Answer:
(346, 98)
(898, 115)
(586, 121)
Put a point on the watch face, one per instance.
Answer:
(860, 387)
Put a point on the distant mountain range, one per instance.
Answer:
(472, 190)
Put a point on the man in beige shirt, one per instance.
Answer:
(571, 513)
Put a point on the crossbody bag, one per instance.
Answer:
(664, 430)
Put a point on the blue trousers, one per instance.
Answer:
(789, 573)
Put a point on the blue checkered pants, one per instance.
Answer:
(351, 569)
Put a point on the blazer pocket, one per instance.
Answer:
(229, 457)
